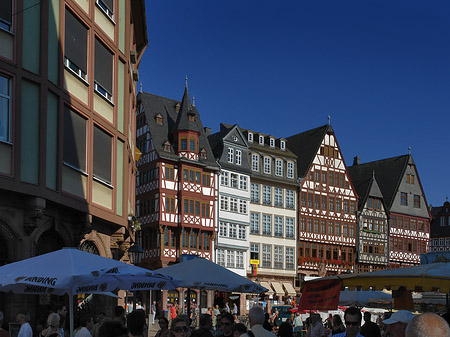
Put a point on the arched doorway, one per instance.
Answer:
(49, 241)
(89, 247)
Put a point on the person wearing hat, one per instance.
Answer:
(398, 322)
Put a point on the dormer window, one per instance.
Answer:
(159, 119)
(191, 118)
(283, 145)
(261, 140)
(235, 138)
(203, 154)
(167, 146)
(272, 142)
(250, 137)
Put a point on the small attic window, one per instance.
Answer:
(159, 119)
(272, 142)
(177, 107)
(235, 138)
(261, 140)
(250, 137)
(283, 145)
(203, 153)
(167, 146)
(191, 118)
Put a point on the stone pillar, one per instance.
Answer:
(210, 298)
(242, 304)
(269, 303)
(164, 294)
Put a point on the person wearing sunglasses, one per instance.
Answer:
(178, 328)
(352, 318)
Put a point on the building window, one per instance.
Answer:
(221, 257)
(267, 195)
(223, 229)
(6, 9)
(74, 140)
(255, 162)
(290, 169)
(250, 137)
(234, 180)
(278, 226)
(243, 183)
(290, 258)
(254, 193)
(183, 144)
(5, 108)
(240, 260)
(283, 145)
(278, 257)
(232, 231)
(410, 178)
(205, 210)
(289, 227)
(254, 223)
(238, 159)
(224, 178)
(241, 232)
(267, 224)
(223, 203)
(233, 205)
(107, 6)
(102, 155)
(75, 46)
(242, 206)
(403, 199)
(303, 198)
(230, 156)
(278, 197)
(192, 144)
(331, 204)
(267, 164)
(261, 140)
(272, 142)
(103, 73)
(266, 256)
(203, 154)
(417, 201)
(254, 251)
(278, 167)
(290, 199)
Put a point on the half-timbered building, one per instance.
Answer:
(372, 240)
(327, 204)
(440, 228)
(405, 201)
(273, 200)
(176, 182)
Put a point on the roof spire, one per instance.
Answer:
(193, 100)
(373, 174)
(409, 150)
(140, 87)
(186, 79)
(329, 119)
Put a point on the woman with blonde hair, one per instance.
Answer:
(52, 326)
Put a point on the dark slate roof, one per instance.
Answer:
(305, 145)
(388, 173)
(365, 185)
(436, 230)
(153, 105)
(183, 123)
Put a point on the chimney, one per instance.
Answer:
(356, 160)
(207, 131)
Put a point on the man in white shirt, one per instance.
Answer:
(86, 324)
(25, 328)
(256, 319)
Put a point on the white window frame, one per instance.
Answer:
(233, 205)
(230, 156)
(278, 226)
(290, 169)
(232, 230)
(250, 137)
(267, 224)
(220, 257)
(261, 140)
(290, 199)
(283, 145)
(254, 223)
(278, 197)
(242, 206)
(272, 142)
(238, 157)
(255, 193)
(267, 165)
(278, 167)
(255, 162)
(223, 229)
(243, 185)
(290, 258)
(290, 227)
(242, 235)
(266, 256)
(224, 178)
(234, 178)
(230, 259)
(267, 195)
(239, 260)
(278, 257)
(224, 203)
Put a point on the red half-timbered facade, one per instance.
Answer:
(176, 181)
(409, 223)
(327, 204)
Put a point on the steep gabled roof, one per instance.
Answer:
(153, 105)
(388, 173)
(365, 185)
(183, 122)
(305, 145)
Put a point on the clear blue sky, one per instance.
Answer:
(381, 69)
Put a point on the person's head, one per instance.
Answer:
(112, 329)
(336, 322)
(226, 323)
(397, 323)
(427, 324)
(53, 321)
(179, 327)
(22, 317)
(239, 329)
(352, 318)
(135, 323)
(119, 314)
(163, 323)
(86, 321)
(61, 310)
(256, 315)
(206, 321)
(367, 316)
(285, 330)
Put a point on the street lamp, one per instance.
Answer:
(135, 253)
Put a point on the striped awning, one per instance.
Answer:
(290, 291)
(278, 289)
(266, 285)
